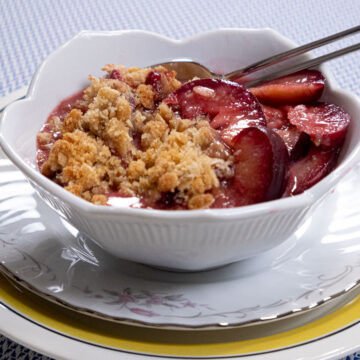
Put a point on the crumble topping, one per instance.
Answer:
(120, 137)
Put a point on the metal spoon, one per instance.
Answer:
(187, 69)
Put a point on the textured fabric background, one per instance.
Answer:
(31, 29)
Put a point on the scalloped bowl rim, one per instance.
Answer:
(307, 198)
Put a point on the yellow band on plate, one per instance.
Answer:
(168, 342)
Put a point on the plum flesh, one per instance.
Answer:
(229, 105)
(298, 88)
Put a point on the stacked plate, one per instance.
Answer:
(62, 295)
(65, 297)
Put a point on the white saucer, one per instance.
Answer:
(319, 263)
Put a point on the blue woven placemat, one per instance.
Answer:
(12, 351)
(31, 29)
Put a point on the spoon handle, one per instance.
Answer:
(272, 60)
(302, 66)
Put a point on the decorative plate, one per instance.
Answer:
(319, 263)
(61, 333)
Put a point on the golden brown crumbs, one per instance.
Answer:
(146, 96)
(44, 138)
(99, 199)
(201, 201)
(128, 141)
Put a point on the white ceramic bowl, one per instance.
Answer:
(182, 240)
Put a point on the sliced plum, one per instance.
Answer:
(326, 124)
(298, 88)
(296, 141)
(276, 118)
(311, 169)
(154, 79)
(230, 106)
(115, 74)
(261, 164)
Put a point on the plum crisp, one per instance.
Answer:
(141, 134)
